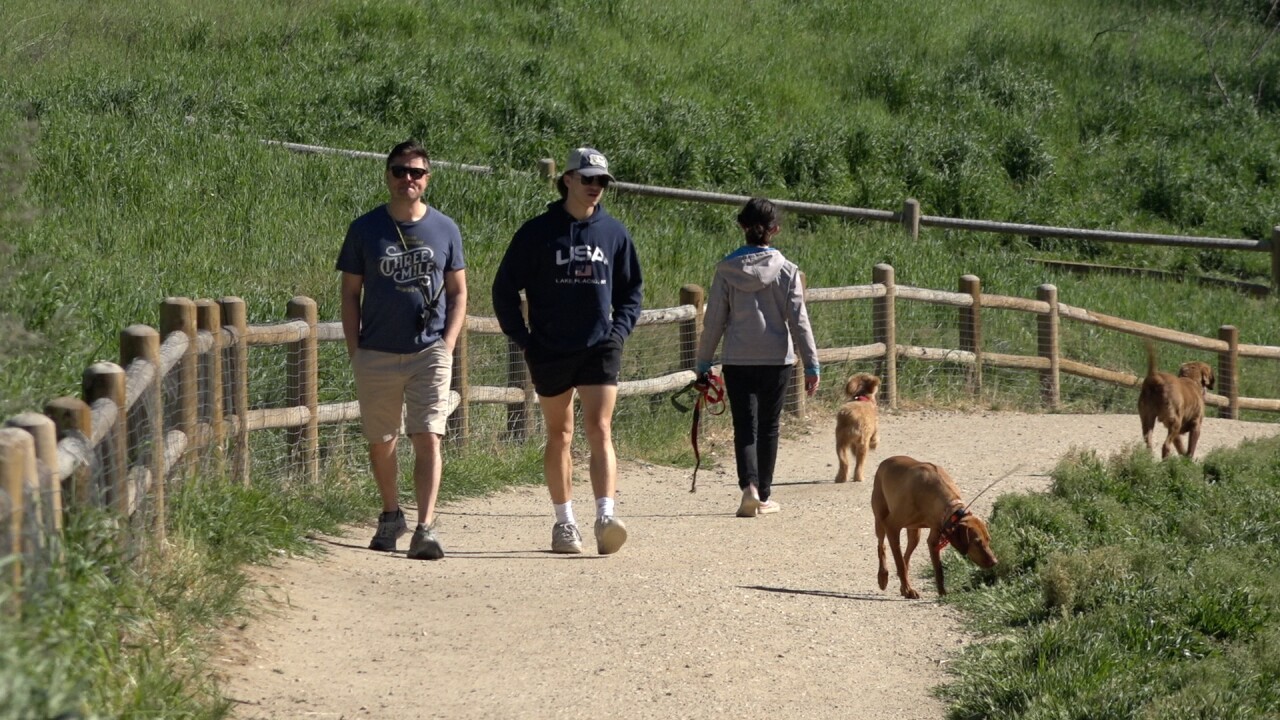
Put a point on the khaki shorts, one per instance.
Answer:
(388, 382)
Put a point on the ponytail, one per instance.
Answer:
(759, 219)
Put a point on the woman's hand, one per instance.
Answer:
(811, 385)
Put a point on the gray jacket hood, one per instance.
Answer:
(752, 269)
(756, 304)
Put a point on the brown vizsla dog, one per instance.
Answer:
(910, 494)
(1176, 401)
(856, 425)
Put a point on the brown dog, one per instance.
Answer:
(910, 494)
(1176, 401)
(857, 428)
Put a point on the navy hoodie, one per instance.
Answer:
(581, 278)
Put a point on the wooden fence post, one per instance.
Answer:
(74, 419)
(235, 316)
(911, 218)
(691, 330)
(17, 465)
(794, 401)
(46, 492)
(971, 330)
(459, 423)
(1275, 259)
(1228, 371)
(1047, 340)
(303, 378)
(520, 414)
(140, 342)
(178, 314)
(106, 380)
(212, 388)
(547, 171)
(883, 319)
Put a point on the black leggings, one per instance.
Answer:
(756, 394)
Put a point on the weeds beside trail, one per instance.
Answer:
(1134, 589)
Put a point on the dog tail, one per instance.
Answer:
(1151, 358)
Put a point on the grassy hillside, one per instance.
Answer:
(142, 178)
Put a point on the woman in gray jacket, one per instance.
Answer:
(757, 305)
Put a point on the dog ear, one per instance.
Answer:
(1207, 378)
(873, 387)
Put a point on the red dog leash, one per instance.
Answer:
(710, 388)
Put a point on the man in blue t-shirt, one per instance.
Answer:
(404, 302)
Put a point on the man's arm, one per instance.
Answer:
(507, 284)
(352, 286)
(628, 289)
(455, 293)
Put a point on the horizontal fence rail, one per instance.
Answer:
(909, 217)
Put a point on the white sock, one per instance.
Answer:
(604, 507)
(564, 512)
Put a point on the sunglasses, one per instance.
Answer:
(601, 180)
(417, 173)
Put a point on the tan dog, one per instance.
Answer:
(857, 427)
(1176, 401)
(910, 494)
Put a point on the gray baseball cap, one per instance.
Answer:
(588, 162)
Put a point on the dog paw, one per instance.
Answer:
(883, 579)
(910, 593)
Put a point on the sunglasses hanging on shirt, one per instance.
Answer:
(429, 303)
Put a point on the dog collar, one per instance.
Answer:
(861, 398)
(949, 527)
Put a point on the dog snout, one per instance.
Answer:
(981, 555)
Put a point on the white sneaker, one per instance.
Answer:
(750, 502)
(768, 507)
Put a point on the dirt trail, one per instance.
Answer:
(701, 615)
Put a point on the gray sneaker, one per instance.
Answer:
(610, 535)
(424, 545)
(390, 527)
(565, 538)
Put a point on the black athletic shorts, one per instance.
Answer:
(554, 373)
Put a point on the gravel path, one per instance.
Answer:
(701, 615)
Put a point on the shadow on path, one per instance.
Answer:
(822, 593)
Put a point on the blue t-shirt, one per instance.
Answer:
(403, 266)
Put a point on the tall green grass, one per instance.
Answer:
(145, 179)
(1133, 589)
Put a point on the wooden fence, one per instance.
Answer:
(181, 393)
(909, 217)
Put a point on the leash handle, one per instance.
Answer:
(710, 389)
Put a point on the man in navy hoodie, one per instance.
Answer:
(581, 277)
